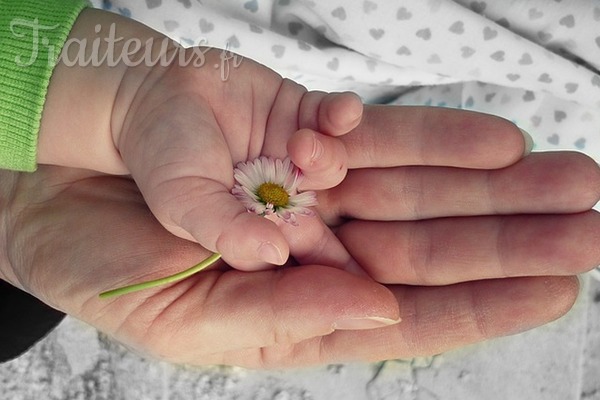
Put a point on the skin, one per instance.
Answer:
(178, 131)
(451, 281)
(377, 275)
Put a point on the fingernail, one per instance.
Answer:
(317, 150)
(268, 252)
(364, 323)
(528, 142)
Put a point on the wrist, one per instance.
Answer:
(96, 78)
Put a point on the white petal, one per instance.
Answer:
(246, 181)
(294, 181)
(304, 199)
(304, 211)
(258, 172)
(262, 165)
(287, 216)
(244, 168)
(259, 208)
(284, 214)
(281, 171)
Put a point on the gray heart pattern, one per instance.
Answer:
(334, 64)
(371, 64)
(554, 139)
(251, 6)
(255, 28)
(544, 36)
(458, 27)
(369, 6)
(478, 6)
(339, 13)
(559, 115)
(568, 21)
(489, 33)
(434, 59)
(205, 26)
(295, 27)
(424, 33)
(571, 87)
(580, 143)
(529, 96)
(171, 25)
(526, 59)
(302, 45)
(545, 78)
(490, 96)
(233, 42)
(278, 50)
(403, 51)
(503, 22)
(534, 14)
(403, 14)
(153, 3)
(478, 49)
(376, 33)
(466, 51)
(498, 55)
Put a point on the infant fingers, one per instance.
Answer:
(333, 114)
(322, 159)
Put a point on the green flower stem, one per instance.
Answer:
(162, 281)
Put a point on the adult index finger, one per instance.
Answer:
(410, 135)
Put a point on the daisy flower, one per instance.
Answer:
(267, 186)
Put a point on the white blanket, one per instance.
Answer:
(534, 62)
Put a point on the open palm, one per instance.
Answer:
(186, 129)
(476, 274)
(433, 221)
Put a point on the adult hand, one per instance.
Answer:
(71, 234)
(179, 129)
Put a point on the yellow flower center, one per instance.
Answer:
(273, 193)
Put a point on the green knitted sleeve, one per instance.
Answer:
(32, 33)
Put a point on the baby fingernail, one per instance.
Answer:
(364, 323)
(268, 252)
(528, 141)
(317, 150)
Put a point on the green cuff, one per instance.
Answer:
(32, 34)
